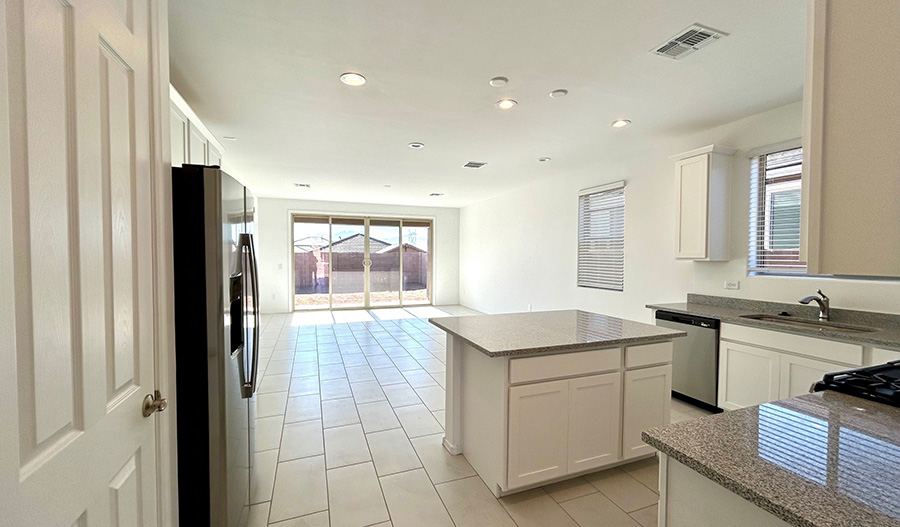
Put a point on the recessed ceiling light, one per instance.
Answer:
(353, 79)
(506, 104)
(498, 81)
(556, 94)
(229, 138)
(416, 145)
(620, 123)
(543, 159)
(436, 194)
(302, 185)
(387, 186)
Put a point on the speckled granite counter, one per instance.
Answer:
(731, 311)
(549, 331)
(818, 460)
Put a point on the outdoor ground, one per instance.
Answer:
(320, 300)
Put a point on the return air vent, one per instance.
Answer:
(688, 41)
(474, 164)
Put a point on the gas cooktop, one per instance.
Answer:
(877, 383)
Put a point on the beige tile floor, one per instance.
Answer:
(349, 428)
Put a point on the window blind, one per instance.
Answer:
(775, 212)
(601, 237)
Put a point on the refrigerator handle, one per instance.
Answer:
(239, 316)
(254, 293)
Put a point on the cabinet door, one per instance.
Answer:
(799, 373)
(197, 147)
(850, 184)
(594, 410)
(747, 375)
(693, 206)
(214, 157)
(178, 133)
(538, 426)
(648, 397)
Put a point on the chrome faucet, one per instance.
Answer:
(823, 301)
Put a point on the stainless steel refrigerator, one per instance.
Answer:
(216, 344)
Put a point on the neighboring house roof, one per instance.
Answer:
(357, 244)
(310, 243)
(407, 248)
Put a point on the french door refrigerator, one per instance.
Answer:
(216, 344)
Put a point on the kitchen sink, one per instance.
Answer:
(807, 323)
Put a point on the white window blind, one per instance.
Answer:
(775, 212)
(601, 237)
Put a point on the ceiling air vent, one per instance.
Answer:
(688, 41)
(474, 164)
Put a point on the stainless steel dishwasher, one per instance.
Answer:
(695, 363)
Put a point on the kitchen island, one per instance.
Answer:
(817, 460)
(538, 397)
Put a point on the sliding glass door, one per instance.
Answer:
(384, 263)
(311, 283)
(362, 262)
(348, 262)
(416, 262)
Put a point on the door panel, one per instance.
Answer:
(799, 373)
(538, 428)
(384, 262)
(196, 146)
(76, 197)
(747, 375)
(348, 258)
(178, 133)
(648, 394)
(594, 410)
(311, 263)
(692, 189)
(416, 262)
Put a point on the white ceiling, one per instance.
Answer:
(266, 72)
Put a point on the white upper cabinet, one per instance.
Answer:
(178, 130)
(702, 189)
(191, 141)
(197, 146)
(851, 129)
(213, 157)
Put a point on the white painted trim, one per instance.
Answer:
(615, 185)
(186, 109)
(774, 147)
(163, 267)
(709, 149)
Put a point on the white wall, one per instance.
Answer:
(275, 245)
(520, 248)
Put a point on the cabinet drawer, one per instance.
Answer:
(831, 350)
(564, 365)
(647, 354)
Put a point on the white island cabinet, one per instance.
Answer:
(534, 398)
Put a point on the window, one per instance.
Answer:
(775, 213)
(601, 237)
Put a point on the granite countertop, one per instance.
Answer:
(819, 460)
(549, 331)
(730, 310)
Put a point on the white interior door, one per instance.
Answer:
(76, 256)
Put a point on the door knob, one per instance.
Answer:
(154, 402)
